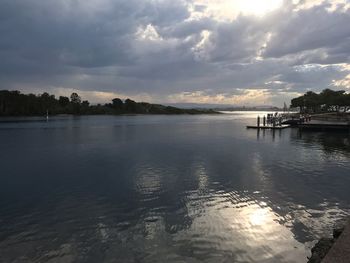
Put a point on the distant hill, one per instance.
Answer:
(198, 105)
(224, 107)
(257, 108)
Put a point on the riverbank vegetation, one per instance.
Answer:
(326, 101)
(14, 103)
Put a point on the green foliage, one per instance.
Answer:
(326, 101)
(13, 103)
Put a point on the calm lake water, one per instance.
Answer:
(167, 189)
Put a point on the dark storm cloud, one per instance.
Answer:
(61, 33)
(312, 29)
(144, 46)
(237, 41)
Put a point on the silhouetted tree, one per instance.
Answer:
(75, 103)
(75, 98)
(327, 100)
(117, 104)
(130, 106)
(63, 101)
(85, 103)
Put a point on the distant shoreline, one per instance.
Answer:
(9, 118)
(14, 103)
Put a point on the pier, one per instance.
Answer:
(279, 127)
(327, 121)
(271, 121)
(321, 122)
(324, 125)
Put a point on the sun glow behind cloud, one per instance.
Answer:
(258, 7)
(229, 9)
(260, 96)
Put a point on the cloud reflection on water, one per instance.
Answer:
(155, 189)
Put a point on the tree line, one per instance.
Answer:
(326, 101)
(14, 103)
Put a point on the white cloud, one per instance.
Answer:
(342, 83)
(147, 33)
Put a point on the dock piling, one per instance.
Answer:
(269, 121)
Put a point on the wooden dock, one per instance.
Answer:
(272, 121)
(324, 125)
(276, 127)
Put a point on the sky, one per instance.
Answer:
(239, 52)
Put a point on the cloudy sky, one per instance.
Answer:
(242, 52)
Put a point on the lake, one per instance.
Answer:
(197, 188)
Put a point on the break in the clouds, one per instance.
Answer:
(225, 51)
